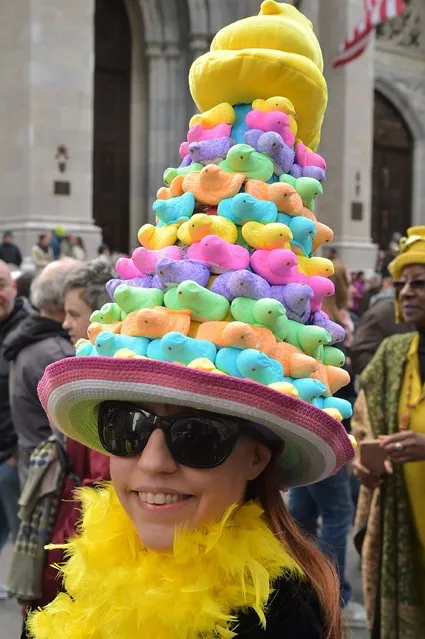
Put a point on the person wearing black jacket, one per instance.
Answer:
(34, 344)
(9, 252)
(13, 311)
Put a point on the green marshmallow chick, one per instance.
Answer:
(131, 298)
(271, 314)
(204, 304)
(242, 158)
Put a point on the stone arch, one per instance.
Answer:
(402, 103)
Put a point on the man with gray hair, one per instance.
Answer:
(39, 340)
(84, 293)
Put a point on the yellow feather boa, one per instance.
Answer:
(117, 589)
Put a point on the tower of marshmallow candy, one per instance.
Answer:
(227, 280)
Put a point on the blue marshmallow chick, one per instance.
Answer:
(176, 209)
(176, 347)
(107, 344)
(309, 389)
(249, 364)
(341, 405)
(303, 231)
(245, 208)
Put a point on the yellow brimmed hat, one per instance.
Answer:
(412, 251)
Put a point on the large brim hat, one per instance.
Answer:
(412, 251)
(71, 390)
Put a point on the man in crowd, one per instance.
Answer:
(84, 293)
(377, 323)
(35, 343)
(13, 311)
(9, 252)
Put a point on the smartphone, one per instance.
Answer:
(373, 456)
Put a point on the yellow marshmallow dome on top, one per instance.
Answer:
(273, 54)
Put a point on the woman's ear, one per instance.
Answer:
(261, 455)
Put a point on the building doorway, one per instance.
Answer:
(392, 172)
(112, 105)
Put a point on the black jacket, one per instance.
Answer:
(10, 254)
(293, 613)
(375, 325)
(34, 344)
(8, 437)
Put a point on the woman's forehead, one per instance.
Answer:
(413, 270)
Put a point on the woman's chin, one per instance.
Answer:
(156, 523)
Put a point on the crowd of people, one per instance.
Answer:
(38, 469)
(42, 317)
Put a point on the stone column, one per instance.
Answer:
(347, 139)
(168, 70)
(46, 93)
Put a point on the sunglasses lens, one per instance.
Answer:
(201, 442)
(124, 431)
(418, 285)
(415, 285)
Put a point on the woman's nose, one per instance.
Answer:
(155, 457)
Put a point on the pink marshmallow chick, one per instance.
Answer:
(277, 266)
(145, 259)
(221, 256)
(126, 269)
(198, 134)
(322, 287)
(276, 121)
(305, 157)
(184, 150)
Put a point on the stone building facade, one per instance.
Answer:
(94, 103)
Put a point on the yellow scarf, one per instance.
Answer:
(117, 589)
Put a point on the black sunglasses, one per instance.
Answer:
(197, 439)
(415, 285)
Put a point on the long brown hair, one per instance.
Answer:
(340, 301)
(317, 569)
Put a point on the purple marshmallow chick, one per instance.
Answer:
(210, 151)
(170, 273)
(337, 333)
(136, 282)
(252, 136)
(296, 300)
(314, 172)
(241, 283)
(187, 161)
(283, 156)
(296, 171)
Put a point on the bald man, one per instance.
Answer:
(13, 310)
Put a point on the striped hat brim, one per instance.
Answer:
(316, 445)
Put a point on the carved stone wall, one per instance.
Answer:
(407, 33)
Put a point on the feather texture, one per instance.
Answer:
(117, 589)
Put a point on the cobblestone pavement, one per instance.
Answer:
(10, 618)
